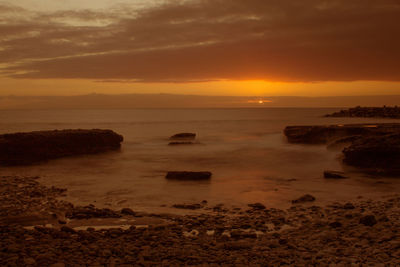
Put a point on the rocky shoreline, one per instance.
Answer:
(368, 112)
(373, 148)
(38, 229)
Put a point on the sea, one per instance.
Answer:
(244, 148)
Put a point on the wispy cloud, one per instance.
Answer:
(180, 41)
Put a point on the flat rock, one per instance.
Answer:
(185, 136)
(187, 175)
(334, 175)
(32, 147)
(178, 143)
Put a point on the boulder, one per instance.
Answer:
(32, 147)
(183, 136)
(375, 153)
(185, 175)
(334, 175)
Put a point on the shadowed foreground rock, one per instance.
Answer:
(188, 175)
(32, 147)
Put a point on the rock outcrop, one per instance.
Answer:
(184, 175)
(32, 147)
(375, 153)
(373, 147)
(368, 112)
(323, 134)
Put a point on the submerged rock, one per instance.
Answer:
(176, 143)
(186, 136)
(334, 175)
(184, 175)
(32, 147)
(303, 199)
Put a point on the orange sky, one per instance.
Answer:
(220, 47)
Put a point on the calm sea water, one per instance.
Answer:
(243, 148)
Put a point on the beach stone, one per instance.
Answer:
(29, 261)
(335, 224)
(128, 211)
(67, 229)
(187, 206)
(303, 199)
(188, 175)
(257, 206)
(348, 206)
(368, 220)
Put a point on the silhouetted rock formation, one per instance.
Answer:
(32, 147)
(188, 175)
(368, 112)
(375, 153)
(183, 136)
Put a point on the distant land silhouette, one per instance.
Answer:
(127, 101)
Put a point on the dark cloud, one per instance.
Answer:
(309, 40)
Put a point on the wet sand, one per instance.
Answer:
(39, 229)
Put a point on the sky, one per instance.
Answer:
(201, 47)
